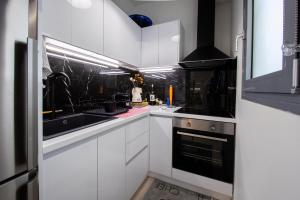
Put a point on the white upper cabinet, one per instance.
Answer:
(150, 46)
(161, 44)
(169, 43)
(56, 19)
(87, 25)
(77, 24)
(122, 37)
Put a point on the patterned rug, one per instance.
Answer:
(161, 190)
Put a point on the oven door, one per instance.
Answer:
(204, 153)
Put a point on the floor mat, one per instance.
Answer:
(160, 190)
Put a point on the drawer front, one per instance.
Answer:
(137, 128)
(136, 172)
(137, 145)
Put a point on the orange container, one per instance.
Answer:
(171, 95)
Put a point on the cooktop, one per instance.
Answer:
(208, 112)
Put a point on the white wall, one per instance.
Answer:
(267, 145)
(223, 26)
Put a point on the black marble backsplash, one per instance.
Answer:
(90, 84)
(214, 87)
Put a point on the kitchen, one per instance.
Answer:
(128, 99)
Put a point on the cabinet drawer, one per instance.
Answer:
(137, 145)
(136, 172)
(136, 129)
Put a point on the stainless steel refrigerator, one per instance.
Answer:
(18, 100)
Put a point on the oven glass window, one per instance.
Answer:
(204, 153)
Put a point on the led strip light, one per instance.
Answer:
(60, 49)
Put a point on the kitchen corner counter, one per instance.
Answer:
(134, 114)
(93, 131)
(162, 110)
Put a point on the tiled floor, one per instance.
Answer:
(139, 195)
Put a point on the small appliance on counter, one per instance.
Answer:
(120, 103)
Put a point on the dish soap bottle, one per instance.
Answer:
(152, 96)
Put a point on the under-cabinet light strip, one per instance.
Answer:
(74, 59)
(114, 72)
(78, 55)
(157, 70)
(67, 49)
(161, 77)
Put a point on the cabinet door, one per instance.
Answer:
(56, 19)
(111, 164)
(87, 26)
(114, 24)
(150, 46)
(71, 173)
(131, 52)
(169, 41)
(161, 136)
(136, 172)
(122, 37)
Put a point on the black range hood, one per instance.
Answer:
(206, 54)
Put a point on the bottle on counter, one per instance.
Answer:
(152, 100)
(171, 95)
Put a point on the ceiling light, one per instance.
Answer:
(74, 59)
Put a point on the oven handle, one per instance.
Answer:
(202, 136)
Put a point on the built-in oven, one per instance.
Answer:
(204, 147)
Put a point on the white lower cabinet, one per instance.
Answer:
(96, 169)
(111, 165)
(71, 173)
(136, 172)
(161, 145)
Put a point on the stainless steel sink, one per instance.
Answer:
(63, 125)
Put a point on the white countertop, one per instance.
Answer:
(100, 129)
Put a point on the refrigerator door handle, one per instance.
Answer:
(32, 103)
(24, 187)
(33, 186)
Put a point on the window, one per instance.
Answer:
(271, 58)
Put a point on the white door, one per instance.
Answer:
(161, 145)
(111, 165)
(150, 46)
(87, 25)
(71, 173)
(56, 19)
(169, 41)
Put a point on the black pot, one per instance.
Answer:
(122, 104)
(110, 106)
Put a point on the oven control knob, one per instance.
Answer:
(189, 124)
(212, 128)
